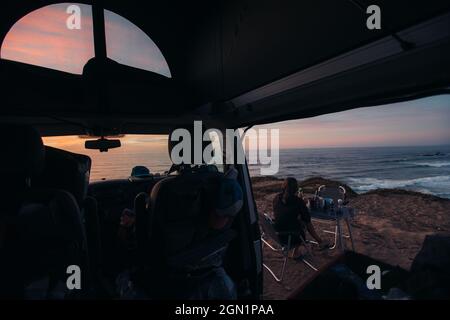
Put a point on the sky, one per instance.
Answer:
(45, 31)
(130, 143)
(419, 122)
(414, 123)
(42, 38)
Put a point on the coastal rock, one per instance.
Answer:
(390, 225)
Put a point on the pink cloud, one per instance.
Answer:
(42, 38)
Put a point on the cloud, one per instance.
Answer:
(422, 121)
(42, 38)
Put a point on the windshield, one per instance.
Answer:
(137, 150)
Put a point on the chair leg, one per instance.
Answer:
(269, 245)
(341, 240)
(305, 245)
(309, 264)
(294, 251)
(309, 253)
(349, 227)
(332, 232)
(335, 237)
(285, 252)
(272, 273)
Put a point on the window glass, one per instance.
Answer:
(129, 45)
(58, 36)
(149, 151)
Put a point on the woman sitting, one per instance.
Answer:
(292, 215)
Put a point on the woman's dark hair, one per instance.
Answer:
(290, 187)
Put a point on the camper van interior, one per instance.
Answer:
(101, 72)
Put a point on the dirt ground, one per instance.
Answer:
(389, 225)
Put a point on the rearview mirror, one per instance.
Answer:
(102, 144)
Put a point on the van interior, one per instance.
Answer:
(230, 64)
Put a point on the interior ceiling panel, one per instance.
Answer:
(218, 51)
(264, 40)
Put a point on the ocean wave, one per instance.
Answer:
(437, 164)
(426, 184)
(436, 154)
(393, 160)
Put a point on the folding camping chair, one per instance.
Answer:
(336, 211)
(269, 232)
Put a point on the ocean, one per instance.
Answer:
(422, 169)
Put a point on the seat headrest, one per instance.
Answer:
(181, 206)
(48, 234)
(67, 171)
(23, 153)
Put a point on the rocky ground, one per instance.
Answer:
(390, 225)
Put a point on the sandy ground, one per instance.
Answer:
(390, 225)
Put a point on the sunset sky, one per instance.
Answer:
(420, 122)
(42, 38)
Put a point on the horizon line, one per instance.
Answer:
(356, 147)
